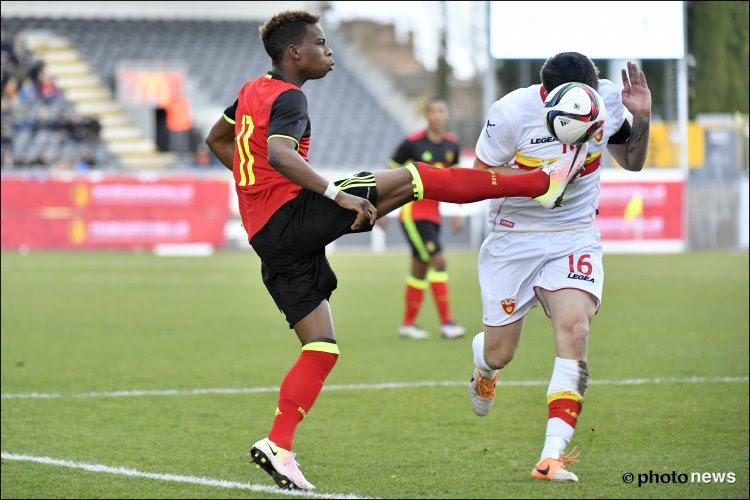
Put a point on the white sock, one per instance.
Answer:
(477, 345)
(558, 436)
(571, 376)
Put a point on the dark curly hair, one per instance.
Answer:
(284, 29)
(569, 67)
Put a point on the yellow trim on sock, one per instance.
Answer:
(416, 181)
(417, 283)
(322, 347)
(435, 276)
(565, 395)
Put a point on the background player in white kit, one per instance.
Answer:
(533, 255)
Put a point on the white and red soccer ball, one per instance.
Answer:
(574, 113)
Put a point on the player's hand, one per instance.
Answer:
(365, 210)
(636, 96)
(458, 224)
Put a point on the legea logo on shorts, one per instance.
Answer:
(507, 223)
(509, 305)
(582, 277)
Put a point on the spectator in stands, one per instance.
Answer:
(7, 135)
(6, 48)
(7, 158)
(47, 88)
(31, 112)
(81, 165)
(28, 93)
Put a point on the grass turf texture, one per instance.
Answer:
(75, 323)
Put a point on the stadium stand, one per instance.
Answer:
(350, 127)
(39, 126)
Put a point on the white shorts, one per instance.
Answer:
(515, 267)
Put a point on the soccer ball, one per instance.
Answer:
(574, 113)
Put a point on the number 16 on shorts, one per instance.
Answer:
(583, 271)
(582, 266)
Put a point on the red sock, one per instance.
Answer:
(440, 292)
(566, 408)
(467, 185)
(415, 288)
(299, 390)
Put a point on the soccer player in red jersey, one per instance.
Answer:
(421, 223)
(291, 213)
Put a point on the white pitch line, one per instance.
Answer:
(176, 478)
(357, 387)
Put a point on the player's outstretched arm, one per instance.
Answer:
(283, 156)
(636, 97)
(220, 141)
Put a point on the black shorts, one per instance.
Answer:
(423, 237)
(291, 246)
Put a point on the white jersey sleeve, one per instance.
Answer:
(616, 112)
(496, 145)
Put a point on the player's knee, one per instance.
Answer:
(498, 359)
(437, 262)
(577, 332)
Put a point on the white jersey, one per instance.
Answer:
(515, 135)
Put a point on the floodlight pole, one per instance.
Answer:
(682, 120)
(489, 88)
(682, 109)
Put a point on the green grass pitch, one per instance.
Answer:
(79, 322)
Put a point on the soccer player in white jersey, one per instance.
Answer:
(533, 255)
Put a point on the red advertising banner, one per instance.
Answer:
(642, 211)
(112, 211)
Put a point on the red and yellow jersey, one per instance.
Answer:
(266, 107)
(419, 147)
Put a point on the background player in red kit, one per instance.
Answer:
(421, 223)
(291, 213)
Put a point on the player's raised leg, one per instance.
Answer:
(571, 311)
(493, 349)
(298, 392)
(417, 181)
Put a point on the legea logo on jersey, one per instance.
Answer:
(426, 156)
(543, 140)
(509, 305)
